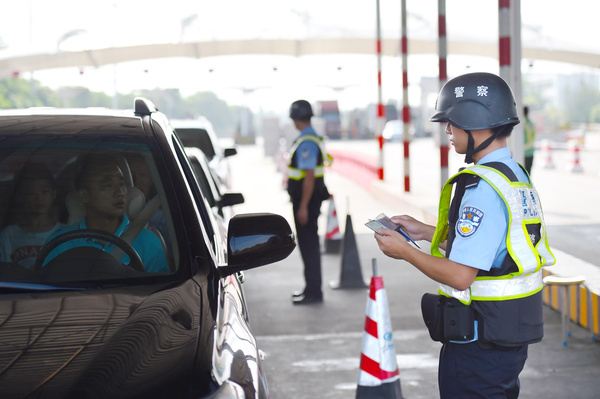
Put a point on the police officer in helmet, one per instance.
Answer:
(307, 190)
(494, 239)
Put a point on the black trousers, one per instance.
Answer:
(480, 370)
(528, 164)
(308, 243)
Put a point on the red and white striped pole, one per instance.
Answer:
(509, 56)
(504, 38)
(380, 107)
(405, 106)
(443, 78)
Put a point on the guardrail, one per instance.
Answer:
(584, 308)
(358, 167)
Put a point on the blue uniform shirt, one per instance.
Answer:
(307, 152)
(147, 245)
(484, 245)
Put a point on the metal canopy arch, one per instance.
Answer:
(295, 48)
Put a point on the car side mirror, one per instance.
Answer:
(230, 199)
(229, 152)
(255, 240)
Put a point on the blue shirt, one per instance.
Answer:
(307, 152)
(146, 244)
(484, 247)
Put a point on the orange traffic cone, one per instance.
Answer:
(378, 375)
(333, 236)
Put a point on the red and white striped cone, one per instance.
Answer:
(547, 154)
(378, 376)
(333, 236)
(574, 165)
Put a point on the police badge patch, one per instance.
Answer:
(305, 152)
(469, 221)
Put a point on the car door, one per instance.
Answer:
(235, 352)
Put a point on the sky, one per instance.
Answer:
(270, 83)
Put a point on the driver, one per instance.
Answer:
(102, 190)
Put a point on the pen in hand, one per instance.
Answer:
(405, 235)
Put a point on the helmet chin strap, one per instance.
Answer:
(471, 143)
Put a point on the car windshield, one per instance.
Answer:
(82, 208)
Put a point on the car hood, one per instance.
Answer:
(98, 343)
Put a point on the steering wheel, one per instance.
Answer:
(135, 260)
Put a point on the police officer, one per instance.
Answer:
(307, 190)
(495, 244)
(529, 132)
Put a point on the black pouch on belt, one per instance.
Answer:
(431, 307)
(447, 319)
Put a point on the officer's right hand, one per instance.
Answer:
(416, 230)
(391, 243)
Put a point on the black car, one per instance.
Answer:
(199, 133)
(116, 279)
(219, 197)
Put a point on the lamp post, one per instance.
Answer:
(68, 35)
(185, 24)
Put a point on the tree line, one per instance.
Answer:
(17, 92)
(579, 101)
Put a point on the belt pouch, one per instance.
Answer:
(447, 319)
(459, 321)
(431, 307)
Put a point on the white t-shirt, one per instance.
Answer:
(19, 246)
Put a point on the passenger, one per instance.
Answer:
(33, 215)
(142, 179)
(102, 189)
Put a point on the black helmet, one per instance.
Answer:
(476, 101)
(301, 110)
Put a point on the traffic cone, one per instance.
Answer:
(547, 154)
(351, 273)
(575, 165)
(378, 376)
(333, 236)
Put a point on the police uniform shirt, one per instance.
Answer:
(307, 152)
(483, 221)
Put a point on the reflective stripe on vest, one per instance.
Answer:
(497, 288)
(299, 174)
(524, 207)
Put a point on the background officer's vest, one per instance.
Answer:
(296, 176)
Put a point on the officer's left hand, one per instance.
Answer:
(392, 243)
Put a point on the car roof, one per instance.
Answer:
(394, 122)
(69, 121)
(200, 122)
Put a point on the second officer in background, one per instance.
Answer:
(307, 190)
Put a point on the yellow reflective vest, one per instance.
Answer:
(295, 175)
(516, 287)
